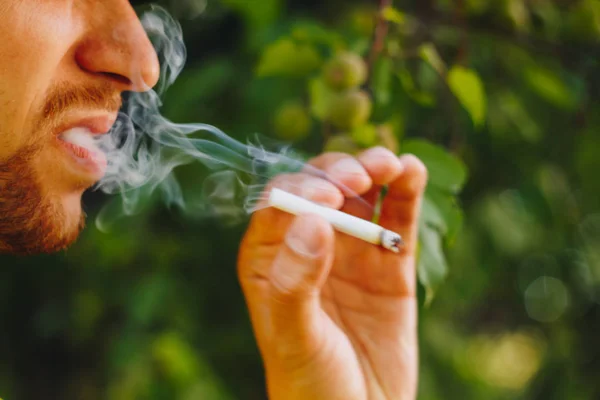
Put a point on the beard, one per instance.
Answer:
(31, 222)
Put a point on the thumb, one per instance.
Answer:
(296, 278)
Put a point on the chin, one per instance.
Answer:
(53, 227)
(68, 222)
(61, 233)
(40, 205)
(72, 211)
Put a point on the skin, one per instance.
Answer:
(334, 317)
(65, 60)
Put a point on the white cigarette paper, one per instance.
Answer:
(346, 223)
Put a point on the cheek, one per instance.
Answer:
(52, 185)
(39, 41)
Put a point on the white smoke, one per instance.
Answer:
(144, 148)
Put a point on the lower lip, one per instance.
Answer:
(94, 163)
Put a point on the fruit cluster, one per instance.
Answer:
(344, 107)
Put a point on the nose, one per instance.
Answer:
(116, 47)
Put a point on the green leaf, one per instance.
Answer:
(408, 83)
(432, 265)
(394, 15)
(468, 89)
(442, 210)
(432, 216)
(429, 53)
(320, 97)
(176, 357)
(510, 113)
(288, 58)
(549, 85)
(446, 171)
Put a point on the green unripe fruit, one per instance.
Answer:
(370, 135)
(387, 138)
(350, 109)
(343, 144)
(292, 122)
(345, 71)
(365, 135)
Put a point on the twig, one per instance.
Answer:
(377, 46)
(379, 36)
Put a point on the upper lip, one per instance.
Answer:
(97, 125)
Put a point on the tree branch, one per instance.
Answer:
(379, 36)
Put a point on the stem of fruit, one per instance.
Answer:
(377, 46)
(381, 31)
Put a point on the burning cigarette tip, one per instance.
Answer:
(391, 241)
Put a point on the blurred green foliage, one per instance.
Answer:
(504, 89)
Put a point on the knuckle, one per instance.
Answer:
(287, 290)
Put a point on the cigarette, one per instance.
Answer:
(346, 223)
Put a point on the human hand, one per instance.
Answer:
(336, 317)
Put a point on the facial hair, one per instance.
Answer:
(30, 223)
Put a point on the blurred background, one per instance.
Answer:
(502, 99)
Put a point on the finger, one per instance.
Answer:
(343, 170)
(363, 207)
(382, 165)
(308, 186)
(402, 204)
(296, 279)
(263, 239)
(268, 225)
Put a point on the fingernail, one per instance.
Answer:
(348, 166)
(303, 238)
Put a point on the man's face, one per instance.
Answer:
(63, 67)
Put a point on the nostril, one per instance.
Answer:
(119, 51)
(118, 78)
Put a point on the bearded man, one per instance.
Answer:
(334, 318)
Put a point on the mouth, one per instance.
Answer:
(79, 142)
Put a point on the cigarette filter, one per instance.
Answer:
(346, 223)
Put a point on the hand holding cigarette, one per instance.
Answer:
(334, 311)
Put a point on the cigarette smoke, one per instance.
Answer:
(144, 149)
